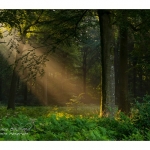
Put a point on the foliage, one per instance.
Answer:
(56, 124)
(75, 102)
(121, 125)
(140, 116)
(51, 128)
(141, 113)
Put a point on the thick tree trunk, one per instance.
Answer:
(123, 75)
(107, 62)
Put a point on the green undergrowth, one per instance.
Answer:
(56, 127)
(63, 124)
(36, 111)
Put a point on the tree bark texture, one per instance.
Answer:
(107, 62)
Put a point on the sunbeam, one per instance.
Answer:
(48, 81)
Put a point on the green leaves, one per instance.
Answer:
(141, 114)
(55, 127)
(60, 126)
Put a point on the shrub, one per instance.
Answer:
(121, 126)
(140, 113)
(134, 137)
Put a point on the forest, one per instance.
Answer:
(74, 75)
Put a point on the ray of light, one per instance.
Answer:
(54, 87)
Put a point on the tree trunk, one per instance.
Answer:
(45, 88)
(14, 80)
(13, 87)
(0, 89)
(116, 60)
(134, 78)
(107, 62)
(141, 93)
(84, 69)
(25, 93)
(123, 75)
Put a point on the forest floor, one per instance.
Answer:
(80, 123)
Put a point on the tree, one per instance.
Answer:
(123, 75)
(21, 26)
(107, 62)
